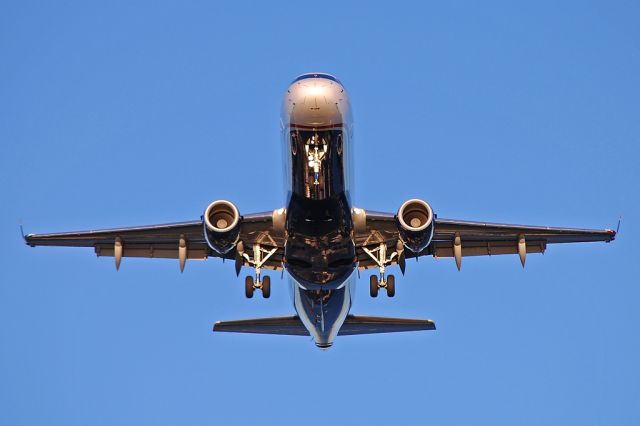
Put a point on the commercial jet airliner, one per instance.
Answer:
(318, 236)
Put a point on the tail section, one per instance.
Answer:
(354, 324)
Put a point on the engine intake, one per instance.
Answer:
(415, 224)
(221, 226)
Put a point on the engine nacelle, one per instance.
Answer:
(415, 224)
(221, 226)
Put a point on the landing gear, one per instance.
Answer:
(373, 286)
(391, 286)
(263, 283)
(248, 286)
(379, 255)
(266, 287)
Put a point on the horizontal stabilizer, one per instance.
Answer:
(354, 324)
(290, 326)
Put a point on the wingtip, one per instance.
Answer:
(26, 238)
(614, 233)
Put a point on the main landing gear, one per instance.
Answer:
(389, 284)
(250, 285)
(379, 255)
(260, 256)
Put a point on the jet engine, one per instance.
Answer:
(415, 224)
(221, 226)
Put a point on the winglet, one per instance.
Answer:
(24, 237)
(615, 233)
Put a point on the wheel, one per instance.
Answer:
(373, 286)
(391, 286)
(266, 287)
(248, 286)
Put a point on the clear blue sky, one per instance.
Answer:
(116, 114)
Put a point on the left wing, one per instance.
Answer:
(170, 241)
(480, 238)
(472, 238)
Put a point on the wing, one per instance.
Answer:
(474, 238)
(168, 240)
(480, 238)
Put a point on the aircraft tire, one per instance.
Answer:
(373, 286)
(248, 286)
(266, 287)
(391, 286)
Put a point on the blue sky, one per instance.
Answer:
(117, 113)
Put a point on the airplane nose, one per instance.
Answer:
(315, 102)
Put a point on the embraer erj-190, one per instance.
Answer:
(319, 237)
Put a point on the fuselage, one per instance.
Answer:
(320, 255)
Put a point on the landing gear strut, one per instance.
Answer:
(379, 255)
(260, 256)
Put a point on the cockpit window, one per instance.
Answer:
(317, 75)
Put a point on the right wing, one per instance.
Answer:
(164, 241)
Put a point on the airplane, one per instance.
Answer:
(319, 238)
